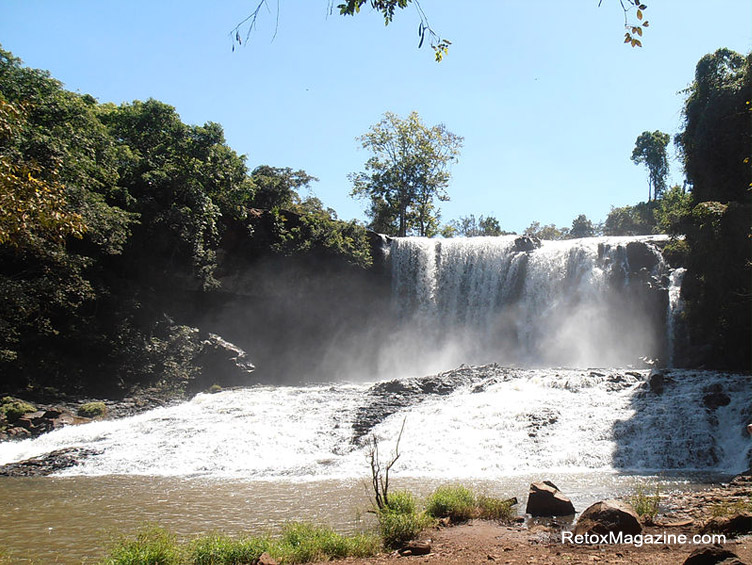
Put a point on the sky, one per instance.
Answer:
(547, 97)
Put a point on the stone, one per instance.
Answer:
(545, 499)
(265, 559)
(730, 526)
(641, 255)
(710, 556)
(716, 399)
(608, 516)
(222, 363)
(525, 243)
(46, 464)
(415, 547)
(656, 381)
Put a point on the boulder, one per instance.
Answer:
(641, 255)
(222, 363)
(656, 381)
(545, 499)
(415, 547)
(711, 555)
(608, 516)
(730, 526)
(525, 243)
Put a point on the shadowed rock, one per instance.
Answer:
(545, 499)
(608, 516)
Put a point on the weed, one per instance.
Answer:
(92, 409)
(645, 504)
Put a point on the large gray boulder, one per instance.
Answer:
(545, 499)
(608, 516)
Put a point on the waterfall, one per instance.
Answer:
(582, 302)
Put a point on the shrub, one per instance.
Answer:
(152, 546)
(490, 508)
(92, 409)
(454, 502)
(397, 529)
(215, 388)
(302, 543)
(13, 408)
(646, 505)
(216, 549)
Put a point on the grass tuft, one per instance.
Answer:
(645, 504)
(455, 502)
(152, 545)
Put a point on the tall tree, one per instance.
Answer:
(407, 174)
(650, 150)
(582, 227)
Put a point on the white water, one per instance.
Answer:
(575, 303)
(519, 421)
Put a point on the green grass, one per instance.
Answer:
(728, 508)
(459, 503)
(299, 543)
(152, 545)
(645, 504)
(400, 521)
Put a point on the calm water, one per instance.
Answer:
(72, 519)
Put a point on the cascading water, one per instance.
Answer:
(485, 422)
(577, 303)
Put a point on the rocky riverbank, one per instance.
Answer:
(725, 509)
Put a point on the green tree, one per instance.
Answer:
(715, 148)
(631, 220)
(581, 227)
(278, 187)
(549, 232)
(470, 226)
(406, 175)
(650, 150)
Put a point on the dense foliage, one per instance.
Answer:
(113, 219)
(716, 148)
(406, 174)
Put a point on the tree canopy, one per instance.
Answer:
(650, 150)
(406, 174)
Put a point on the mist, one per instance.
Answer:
(434, 304)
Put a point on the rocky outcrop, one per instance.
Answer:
(222, 363)
(388, 397)
(608, 516)
(545, 499)
(46, 464)
(526, 244)
(642, 255)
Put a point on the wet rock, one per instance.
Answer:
(712, 555)
(545, 499)
(416, 548)
(608, 516)
(641, 255)
(387, 398)
(657, 381)
(222, 363)
(715, 397)
(46, 464)
(526, 244)
(730, 526)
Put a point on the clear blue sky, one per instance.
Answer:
(547, 97)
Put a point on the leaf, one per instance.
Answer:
(639, 31)
(639, 14)
(646, 24)
(422, 37)
(636, 43)
(627, 38)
